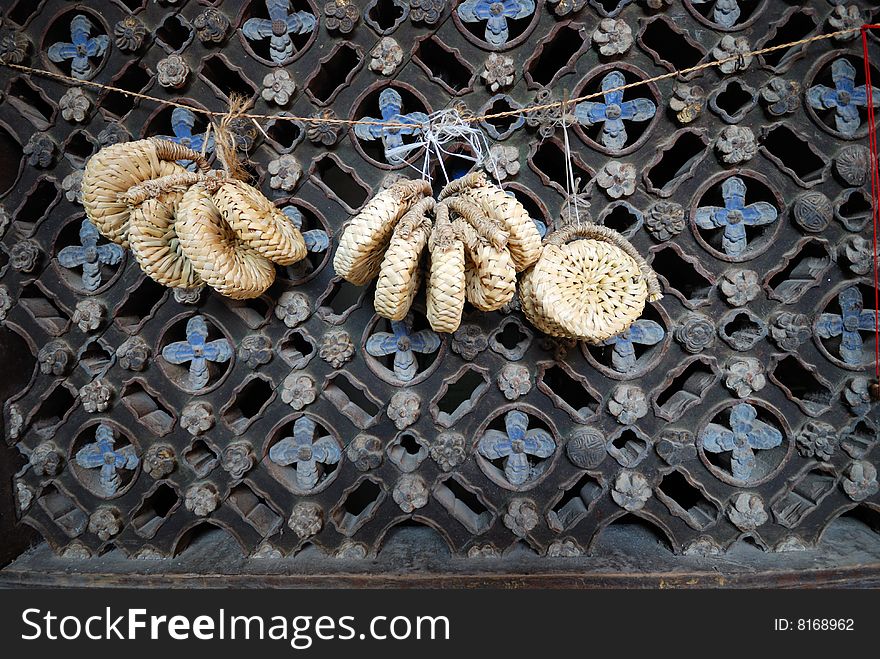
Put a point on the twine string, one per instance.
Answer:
(739, 58)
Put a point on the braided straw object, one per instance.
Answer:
(118, 167)
(258, 222)
(446, 280)
(486, 228)
(363, 242)
(154, 242)
(217, 255)
(399, 274)
(591, 288)
(490, 279)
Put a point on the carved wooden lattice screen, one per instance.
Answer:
(737, 406)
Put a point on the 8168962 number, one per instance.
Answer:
(814, 624)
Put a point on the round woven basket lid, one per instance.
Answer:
(592, 289)
(222, 261)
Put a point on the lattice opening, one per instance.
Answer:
(44, 196)
(570, 391)
(864, 515)
(554, 55)
(78, 149)
(628, 448)
(407, 452)
(385, 15)
(63, 510)
(814, 395)
(334, 74)
(31, 102)
(205, 537)
(511, 336)
(501, 127)
(575, 503)
(286, 134)
(351, 400)
(147, 408)
(794, 153)
(674, 50)
(154, 511)
(174, 33)
(140, 304)
(254, 509)
(343, 298)
(296, 349)
(444, 65)
(634, 532)
(369, 107)
(94, 359)
(677, 162)
(802, 271)
(464, 505)
(798, 26)
(23, 11)
(859, 439)
(623, 218)
(134, 77)
(10, 160)
(254, 312)
(462, 394)
(346, 187)
(805, 496)
(224, 78)
(52, 411)
(681, 275)
(549, 159)
(358, 507)
(686, 500)
(734, 99)
(249, 403)
(856, 209)
(43, 310)
(742, 330)
(685, 390)
(201, 458)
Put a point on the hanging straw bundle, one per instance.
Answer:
(446, 279)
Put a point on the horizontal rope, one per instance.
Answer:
(470, 119)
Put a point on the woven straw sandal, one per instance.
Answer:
(259, 223)
(490, 279)
(363, 242)
(589, 284)
(399, 274)
(154, 242)
(446, 279)
(217, 255)
(118, 167)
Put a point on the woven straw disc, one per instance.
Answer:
(590, 288)
(524, 241)
(363, 242)
(154, 242)
(258, 222)
(399, 274)
(445, 286)
(217, 255)
(111, 172)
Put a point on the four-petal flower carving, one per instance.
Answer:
(735, 216)
(515, 445)
(392, 126)
(306, 452)
(496, 13)
(403, 343)
(845, 98)
(614, 111)
(278, 28)
(90, 255)
(82, 47)
(102, 455)
(198, 351)
(745, 435)
(644, 332)
(852, 319)
(182, 123)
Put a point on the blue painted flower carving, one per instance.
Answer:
(182, 123)
(198, 351)
(403, 343)
(852, 319)
(82, 47)
(308, 453)
(102, 454)
(735, 216)
(516, 445)
(316, 240)
(614, 112)
(724, 12)
(745, 435)
(845, 98)
(643, 332)
(496, 13)
(90, 256)
(392, 126)
(278, 28)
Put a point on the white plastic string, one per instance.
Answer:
(570, 184)
(443, 127)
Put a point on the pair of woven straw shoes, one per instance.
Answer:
(187, 228)
(478, 238)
